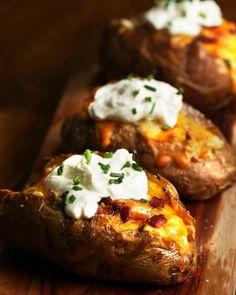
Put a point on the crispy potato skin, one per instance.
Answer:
(202, 179)
(92, 247)
(140, 49)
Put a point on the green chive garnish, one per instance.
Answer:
(121, 91)
(202, 14)
(148, 87)
(108, 155)
(77, 188)
(143, 200)
(134, 111)
(180, 91)
(136, 167)
(71, 199)
(153, 107)
(150, 77)
(105, 168)
(120, 175)
(76, 179)
(148, 99)
(115, 181)
(60, 169)
(64, 195)
(135, 93)
(118, 178)
(165, 127)
(130, 77)
(88, 156)
(126, 165)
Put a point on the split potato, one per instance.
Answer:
(142, 241)
(193, 155)
(203, 65)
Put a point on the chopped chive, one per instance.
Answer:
(121, 91)
(115, 181)
(126, 165)
(134, 111)
(135, 93)
(150, 77)
(76, 179)
(108, 155)
(105, 168)
(120, 175)
(202, 14)
(183, 13)
(71, 199)
(148, 99)
(88, 156)
(153, 107)
(148, 87)
(143, 200)
(64, 195)
(60, 169)
(136, 167)
(77, 188)
(169, 24)
(165, 127)
(180, 91)
(130, 77)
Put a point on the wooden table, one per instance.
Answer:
(44, 45)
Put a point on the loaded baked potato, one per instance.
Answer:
(193, 154)
(202, 62)
(149, 240)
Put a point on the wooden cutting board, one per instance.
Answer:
(21, 273)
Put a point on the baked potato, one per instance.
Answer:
(204, 65)
(193, 155)
(142, 241)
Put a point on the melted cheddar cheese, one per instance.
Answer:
(201, 142)
(174, 231)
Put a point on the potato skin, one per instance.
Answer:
(204, 178)
(93, 248)
(136, 47)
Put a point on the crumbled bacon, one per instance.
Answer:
(125, 213)
(157, 220)
(106, 206)
(107, 210)
(157, 202)
(188, 135)
(207, 39)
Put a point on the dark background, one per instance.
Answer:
(43, 44)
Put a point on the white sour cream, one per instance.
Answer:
(186, 17)
(131, 100)
(85, 183)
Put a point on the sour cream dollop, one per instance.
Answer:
(132, 100)
(186, 17)
(83, 180)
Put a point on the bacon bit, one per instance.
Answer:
(207, 39)
(125, 213)
(157, 220)
(157, 202)
(188, 135)
(106, 206)
(107, 210)
(163, 160)
(107, 201)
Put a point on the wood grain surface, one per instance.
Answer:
(43, 44)
(21, 273)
